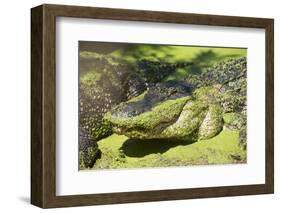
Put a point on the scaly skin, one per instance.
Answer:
(181, 116)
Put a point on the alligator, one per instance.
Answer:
(190, 109)
(105, 82)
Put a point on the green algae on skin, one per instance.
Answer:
(187, 118)
(165, 112)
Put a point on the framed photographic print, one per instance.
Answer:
(136, 106)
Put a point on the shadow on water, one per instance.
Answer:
(147, 51)
(202, 60)
(141, 148)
